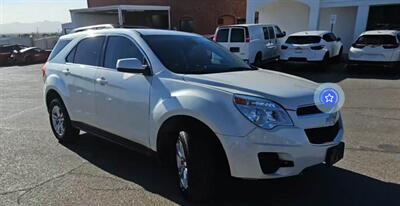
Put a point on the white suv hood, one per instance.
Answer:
(287, 90)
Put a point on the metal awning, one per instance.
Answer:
(118, 9)
(122, 7)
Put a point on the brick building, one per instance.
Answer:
(199, 16)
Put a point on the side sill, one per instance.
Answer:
(114, 138)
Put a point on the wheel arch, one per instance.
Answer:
(50, 95)
(169, 128)
(54, 85)
(259, 53)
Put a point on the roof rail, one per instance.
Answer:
(93, 27)
(106, 26)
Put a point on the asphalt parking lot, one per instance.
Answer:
(36, 170)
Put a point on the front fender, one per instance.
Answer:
(212, 107)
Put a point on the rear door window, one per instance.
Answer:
(120, 48)
(376, 39)
(222, 35)
(237, 35)
(59, 46)
(303, 39)
(88, 51)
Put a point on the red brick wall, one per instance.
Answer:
(96, 3)
(205, 13)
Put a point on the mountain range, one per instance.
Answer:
(22, 28)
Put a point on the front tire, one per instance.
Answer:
(60, 122)
(195, 164)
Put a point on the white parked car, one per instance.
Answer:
(253, 43)
(378, 48)
(198, 107)
(311, 46)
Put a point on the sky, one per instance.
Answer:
(29, 11)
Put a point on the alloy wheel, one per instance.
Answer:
(181, 162)
(57, 117)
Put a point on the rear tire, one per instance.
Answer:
(258, 60)
(338, 58)
(325, 61)
(195, 165)
(60, 122)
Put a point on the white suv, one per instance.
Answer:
(311, 46)
(253, 43)
(377, 48)
(183, 97)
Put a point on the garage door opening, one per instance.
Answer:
(123, 15)
(151, 19)
(383, 17)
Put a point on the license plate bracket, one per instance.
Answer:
(334, 154)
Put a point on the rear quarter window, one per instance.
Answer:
(329, 37)
(61, 44)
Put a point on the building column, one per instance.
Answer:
(250, 12)
(361, 20)
(313, 18)
(253, 6)
(120, 17)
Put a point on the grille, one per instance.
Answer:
(308, 110)
(322, 135)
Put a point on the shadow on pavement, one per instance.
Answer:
(319, 185)
(335, 72)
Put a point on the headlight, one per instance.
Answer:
(262, 112)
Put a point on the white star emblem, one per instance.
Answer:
(329, 98)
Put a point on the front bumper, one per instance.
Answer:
(291, 145)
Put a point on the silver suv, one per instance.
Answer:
(198, 107)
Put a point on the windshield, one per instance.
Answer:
(376, 39)
(193, 55)
(303, 40)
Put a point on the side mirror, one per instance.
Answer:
(338, 39)
(282, 34)
(132, 65)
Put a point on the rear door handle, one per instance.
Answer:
(101, 81)
(66, 71)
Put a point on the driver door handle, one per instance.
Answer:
(101, 81)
